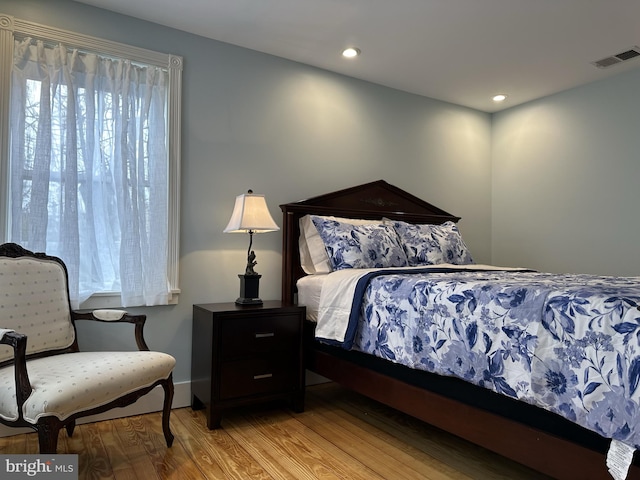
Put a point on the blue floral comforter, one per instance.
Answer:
(567, 343)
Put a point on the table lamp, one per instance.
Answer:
(250, 215)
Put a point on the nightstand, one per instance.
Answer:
(246, 354)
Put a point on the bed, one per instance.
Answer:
(491, 414)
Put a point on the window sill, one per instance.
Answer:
(112, 300)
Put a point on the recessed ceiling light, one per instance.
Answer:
(351, 52)
(499, 98)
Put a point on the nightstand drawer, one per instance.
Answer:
(250, 336)
(255, 376)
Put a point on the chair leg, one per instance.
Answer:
(48, 428)
(166, 411)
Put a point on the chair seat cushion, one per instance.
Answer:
(74, 382)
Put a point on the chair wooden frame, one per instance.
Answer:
(48, 427)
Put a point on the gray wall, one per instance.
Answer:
(566, 180)
(288, 131)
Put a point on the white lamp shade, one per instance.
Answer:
(250, 213)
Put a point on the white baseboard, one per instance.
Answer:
(152, 402)
(313, 378)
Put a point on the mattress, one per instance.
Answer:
(309, 289)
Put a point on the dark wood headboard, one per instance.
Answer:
(370, 201)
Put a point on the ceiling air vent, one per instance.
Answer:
(618, 58)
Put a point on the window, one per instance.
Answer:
(89, 160)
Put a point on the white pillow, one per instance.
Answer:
(313, 254)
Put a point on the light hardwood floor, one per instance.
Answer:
(341, 435)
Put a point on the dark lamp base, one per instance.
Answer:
(249, 286)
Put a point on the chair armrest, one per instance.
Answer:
(19, 343)
(119, 316)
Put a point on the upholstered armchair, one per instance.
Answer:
(46, 382)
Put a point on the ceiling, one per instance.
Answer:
(459, 51)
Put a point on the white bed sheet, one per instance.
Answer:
(309, 290)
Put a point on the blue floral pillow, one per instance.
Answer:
(360, 246)
(432, 244)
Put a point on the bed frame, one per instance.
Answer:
(541, 440)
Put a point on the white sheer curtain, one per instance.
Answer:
(89, 169)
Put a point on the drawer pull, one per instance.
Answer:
(265, 335)
(265, 375)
